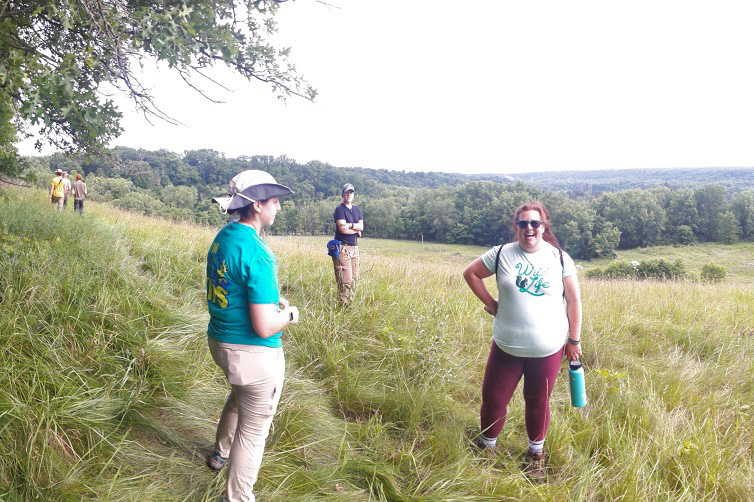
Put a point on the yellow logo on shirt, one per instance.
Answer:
(217, 268)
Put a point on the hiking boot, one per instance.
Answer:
(215, 461)
(535, 466)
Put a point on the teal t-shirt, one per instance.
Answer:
(241, 269)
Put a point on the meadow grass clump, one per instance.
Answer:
(78, 322)
(109, 393)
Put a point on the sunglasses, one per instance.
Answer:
(526, 223)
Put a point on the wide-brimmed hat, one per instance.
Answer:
(250, 186)
(58, 171)
(346, 188)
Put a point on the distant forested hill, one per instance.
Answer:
(593, 212)
(596, 182)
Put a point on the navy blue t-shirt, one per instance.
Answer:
(352, 215)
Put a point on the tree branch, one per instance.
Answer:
(185, 78)
(4, 180)
(249, 73)
(5, 5)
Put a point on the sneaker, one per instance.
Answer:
(481, 445)
(535, 466)
(215, 461)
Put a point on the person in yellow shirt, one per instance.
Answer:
(57, 190)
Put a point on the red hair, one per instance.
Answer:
(544, 214)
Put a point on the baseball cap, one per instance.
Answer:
(346, 188)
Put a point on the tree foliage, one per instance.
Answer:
(446, 209)
(743, 209)
(710, 203)
(56, 56)
(728, 228)
(10, 164)
(637, 214)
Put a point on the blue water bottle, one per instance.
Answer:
(576, 382)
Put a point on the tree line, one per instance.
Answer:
(432, 206)
(597, 182)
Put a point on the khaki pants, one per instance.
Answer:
(256, 376)
(346, 271)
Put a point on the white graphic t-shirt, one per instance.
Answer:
(531, 318)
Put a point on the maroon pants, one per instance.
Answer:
(501, 377)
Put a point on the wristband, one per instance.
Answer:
(574, 342)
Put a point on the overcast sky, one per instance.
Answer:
(489, 86)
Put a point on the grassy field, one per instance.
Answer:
(738, 259)
(108, 391)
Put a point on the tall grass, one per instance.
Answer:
(108, 392)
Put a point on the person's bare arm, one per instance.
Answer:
(475, 274)
(573, 310)
(267, 320)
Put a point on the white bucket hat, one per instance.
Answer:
(247, 187)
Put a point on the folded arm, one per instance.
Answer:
(349, 228)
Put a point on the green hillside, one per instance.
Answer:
(108, 391)
(690, 206)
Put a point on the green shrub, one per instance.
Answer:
(712, 272)
(661, 269)
(595, 273)
(619, 269)
(648, 269)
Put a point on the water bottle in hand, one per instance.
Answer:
(576, 382)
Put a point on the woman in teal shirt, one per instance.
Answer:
(247, 315)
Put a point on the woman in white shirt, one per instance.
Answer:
(532, 327)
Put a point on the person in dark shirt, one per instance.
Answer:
(349, 224)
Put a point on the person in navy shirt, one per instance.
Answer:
(348, 227)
